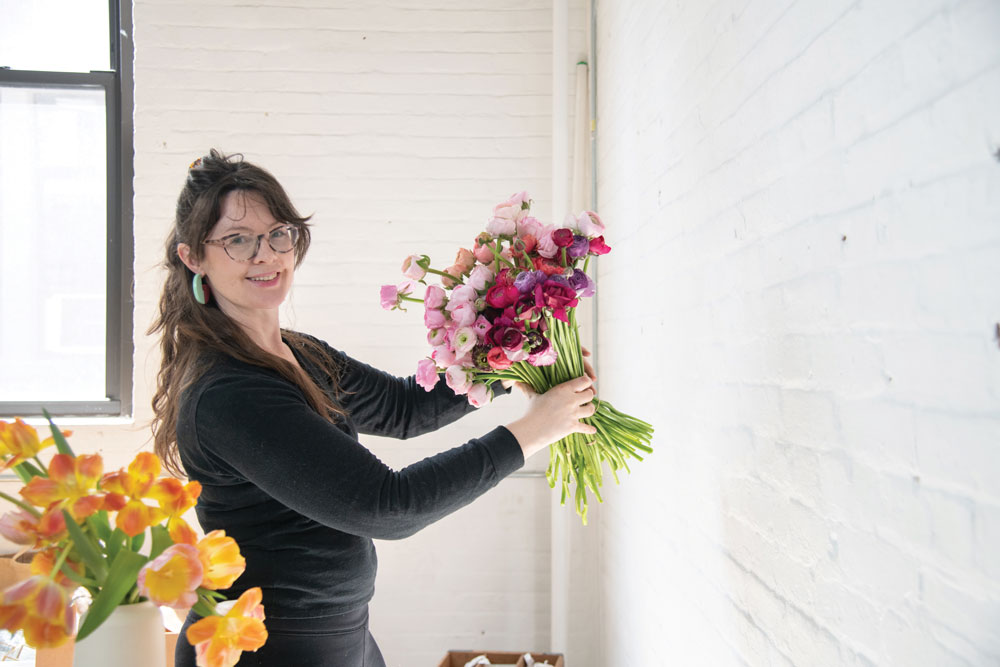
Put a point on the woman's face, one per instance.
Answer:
(245, 288)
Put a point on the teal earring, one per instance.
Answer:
(199, 289)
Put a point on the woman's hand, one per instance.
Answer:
(555, 414)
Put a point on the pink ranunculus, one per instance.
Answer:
(434, 319)
(411, 269)
(599, 247)
(479, 394)
(529, 226)
(516, 202)
(389, 296)
(464, 340)
(465, 260)
(515, 355)
(590, 224)
(464, 315)
(461, 294)
(480, 277)
(437, 336)
(501, 226)
(481, 325)
(546, 246)
(456, 276)
(444, 356)
(434, 297)
(458, 379)
(427, 375)
(483, 252)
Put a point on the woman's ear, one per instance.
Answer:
(184, 252)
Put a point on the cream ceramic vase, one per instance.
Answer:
(132, 635)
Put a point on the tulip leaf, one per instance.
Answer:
(137, 541)
(121, 579)
(89, 551)
(57, 435)
(115, 542)
(161, 540)
(99, 524)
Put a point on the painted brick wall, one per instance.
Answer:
(802, 198)
(399, 125)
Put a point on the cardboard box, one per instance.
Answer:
(459, 658)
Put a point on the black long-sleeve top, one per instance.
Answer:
(302, 497)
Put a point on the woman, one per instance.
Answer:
(267, 421)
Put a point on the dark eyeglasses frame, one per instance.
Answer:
(291, 229)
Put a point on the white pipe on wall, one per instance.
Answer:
(560, 535)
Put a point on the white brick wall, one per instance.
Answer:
(802, 202)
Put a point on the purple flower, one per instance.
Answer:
(579, 247)
(526, 280)
(582, 283)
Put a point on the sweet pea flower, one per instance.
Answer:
(427, 373)
(220, 640)
(434, 297)
(220, 559)
(599, 247)
(412, 268)
(479, 394)
(41, 608)
(480, 276)
(464, 315)
(458, 379)
(434, 319)
(171, 579)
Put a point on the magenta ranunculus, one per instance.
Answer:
(556, 297)
(434, 319)
(427, 374)
(562, 237)
(481, 325)
(599, 247)
(434, 297)
(501, 296)
(479, 394)
(458, 379)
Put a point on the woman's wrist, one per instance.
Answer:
(522, 432)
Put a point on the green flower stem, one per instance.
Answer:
(409, 298)
(205, 606)
(586, 263)
(442, 273)
(60, 560)
(27, 508)
(496, 255)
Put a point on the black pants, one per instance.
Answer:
(331, 641)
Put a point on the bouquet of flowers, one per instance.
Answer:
(87, 529)
(506, 310)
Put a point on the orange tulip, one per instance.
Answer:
(126, 490)
(71, 485)
(20, 441)
(44, 561)
(175, 499)
(172, 578)
(220, 640)
(40, 607)
(221, 559)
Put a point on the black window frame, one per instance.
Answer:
(118, 97)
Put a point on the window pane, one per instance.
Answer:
(53, 229)
(55, 35)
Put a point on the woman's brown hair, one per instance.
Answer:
(189, 330)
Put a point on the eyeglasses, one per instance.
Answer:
(244, 247)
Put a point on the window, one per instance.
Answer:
(65, 207)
